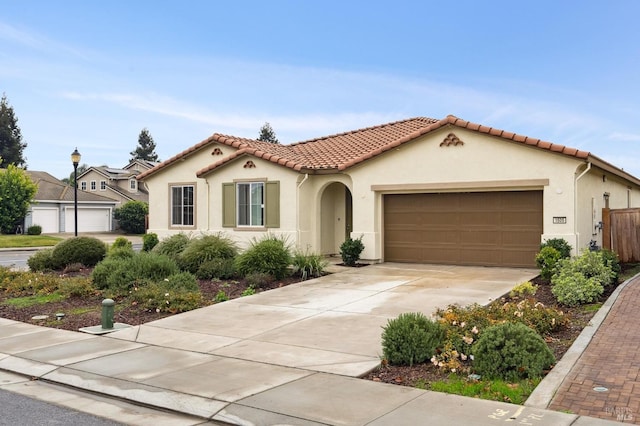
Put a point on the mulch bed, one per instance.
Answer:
(129, 313)
(559, 342)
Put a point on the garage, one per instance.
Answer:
(47, 218)
(89, 219)
(472, 228)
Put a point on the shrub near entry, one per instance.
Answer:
(350, 251)
(270, 255)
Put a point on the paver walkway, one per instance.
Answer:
(611, 361)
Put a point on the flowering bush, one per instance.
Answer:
(464, 326)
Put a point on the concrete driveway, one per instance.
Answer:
(330, 324)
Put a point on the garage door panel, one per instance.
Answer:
(480, 228)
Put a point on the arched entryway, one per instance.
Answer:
(336, 217)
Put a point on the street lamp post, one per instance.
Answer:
(75, 159)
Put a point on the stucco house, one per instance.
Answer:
(53, 207)
(418, 190)
(120, 185)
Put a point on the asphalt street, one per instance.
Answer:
(19, 410)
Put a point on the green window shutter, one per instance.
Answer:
(272, 204)
(228, 205)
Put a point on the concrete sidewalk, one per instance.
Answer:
(287, 356)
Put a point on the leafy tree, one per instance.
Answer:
(267, 134)
(146, 147)
(131, 216)
(11, 146)
(16, 193)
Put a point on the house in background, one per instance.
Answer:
(120, 185)
(419, 190)
(53, 207)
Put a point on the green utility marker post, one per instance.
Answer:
(107, 314)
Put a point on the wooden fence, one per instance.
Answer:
(621, 233)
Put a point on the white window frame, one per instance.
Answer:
(103, 185)
(250, 204)
(83, 185)
(185, 209)
(133, 184)
(93, 185)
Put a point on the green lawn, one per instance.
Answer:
(17, 241)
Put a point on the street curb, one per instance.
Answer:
(543, 394)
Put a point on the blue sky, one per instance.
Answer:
(92, 74)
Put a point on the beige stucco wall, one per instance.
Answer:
(592, 186)
(263, 171)
(482, 163)
(180, 172)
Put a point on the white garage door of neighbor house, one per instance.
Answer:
(47, 218)
(89, 220)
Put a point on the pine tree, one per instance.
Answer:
(267, 134)
(146, 147)
(11, 146)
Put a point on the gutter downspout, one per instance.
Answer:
(575, 205)
(306, 176)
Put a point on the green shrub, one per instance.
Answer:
(612, 261)
(249, 291)
(269, 255)
(411, 338)
(218, 268)
(172, 246)
(572, 288)
(205, 248)
(560, 244)
(547, 259)
(34, 230)
(591, 264)
(524, 289)
(42, 260)
(511, 351)
(308, 265)
(131, 216)
(221, 296)
(350, 251)
(121, 252)
(121, 242)
(86, 250)
(182, 281)
(149, 241)
(162, 296)
(119, 275)
(258, 279)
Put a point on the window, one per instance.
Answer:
(182, 205)
(250, 207)
(83, 185)
(103, 185)
(251, 204)
(93, 185)
(133, 184)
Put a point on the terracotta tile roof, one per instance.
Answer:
(341, 151)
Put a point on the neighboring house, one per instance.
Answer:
(418, 190)
(53, 207)
(120, 185)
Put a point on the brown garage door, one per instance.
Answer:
(475, 228)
